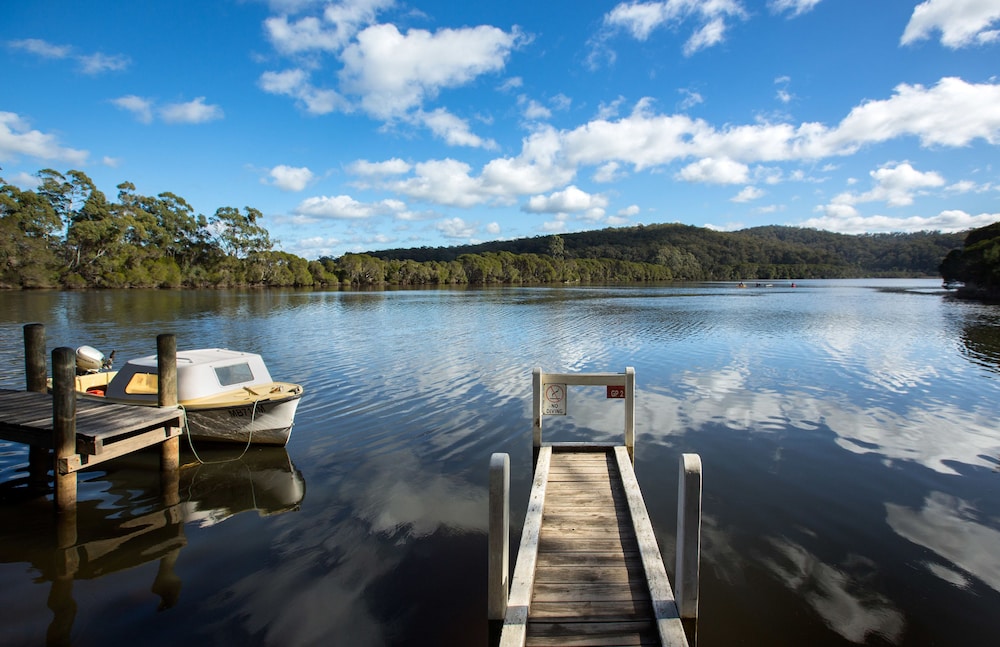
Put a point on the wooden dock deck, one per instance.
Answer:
(589, 570)
(103, 430)
(597, 578)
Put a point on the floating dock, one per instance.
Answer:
(589, 571)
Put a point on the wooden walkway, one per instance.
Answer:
(103, 430)
(589, 571)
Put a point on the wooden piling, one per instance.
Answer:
(688, 535)
(166, 396)
(36, 376)
(64, 426)
(499, 536)
(34, 357)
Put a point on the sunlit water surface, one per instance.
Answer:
(848, 430)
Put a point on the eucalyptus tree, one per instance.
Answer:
(30, 233)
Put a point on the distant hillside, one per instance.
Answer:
(697, 253)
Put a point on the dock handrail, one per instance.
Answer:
(539, 379)
(511, 601)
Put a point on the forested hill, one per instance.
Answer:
(697, 253)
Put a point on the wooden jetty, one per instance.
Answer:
(68, 435)
(589, 571)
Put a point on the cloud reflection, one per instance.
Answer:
(318, 591)
(948, 526)
(932, 433)
(841, 595)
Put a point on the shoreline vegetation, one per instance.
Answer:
(66, 234)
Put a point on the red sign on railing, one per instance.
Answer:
(615, 391)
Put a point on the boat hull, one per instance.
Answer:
(266, 422)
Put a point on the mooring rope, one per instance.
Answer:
(187, 431)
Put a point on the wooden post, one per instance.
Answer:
(688, 535)
(64, 425)
(34, 357)
(630, 412)
(499, 536)
(166, 396)
(536, 408)
(35, 374)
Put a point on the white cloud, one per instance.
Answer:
(640, 19)
(141, 108)
(493, 228)
(715, 171)
(570, 200)
(532, 110)
(456, 228)
(289, 178)
(952, 113)
(445, 182)
(748, 194)
(195, 111)
(295, 83)
(42, 48)
(792, 7)
(629, 211)
(394, 166)
(344, 207)
(609, 172)
(89, 63)
(329, 33)
(691, 99)
(961, 22)
(895, 185)
(452, 129)
(846, 220)
(98, 63)
(393, 73)
(17, 139)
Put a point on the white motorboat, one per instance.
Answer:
(228, 395)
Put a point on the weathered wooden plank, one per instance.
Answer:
(667, 618)
(585, 634)
(594, 573)
(590, 577)
(518, 604)
(565, 610)
(552, 591)
(26, 416)
(589, 558)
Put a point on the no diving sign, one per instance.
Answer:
(554, 400)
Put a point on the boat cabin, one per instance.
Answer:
(201, 374)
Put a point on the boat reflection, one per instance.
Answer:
(137, 519)
(226, 482)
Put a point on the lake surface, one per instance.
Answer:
(848, 431)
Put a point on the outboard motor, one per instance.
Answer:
(91, 360)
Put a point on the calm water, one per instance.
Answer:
(848, 430)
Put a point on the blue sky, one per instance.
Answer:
(367, 124)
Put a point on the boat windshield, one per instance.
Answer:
(233, 374)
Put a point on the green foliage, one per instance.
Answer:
(977, 264)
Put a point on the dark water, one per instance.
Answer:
(848, 430)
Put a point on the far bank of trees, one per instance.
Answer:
(67, 234)
(977, 264)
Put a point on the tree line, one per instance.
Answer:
(67, 234)
(976, 264)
